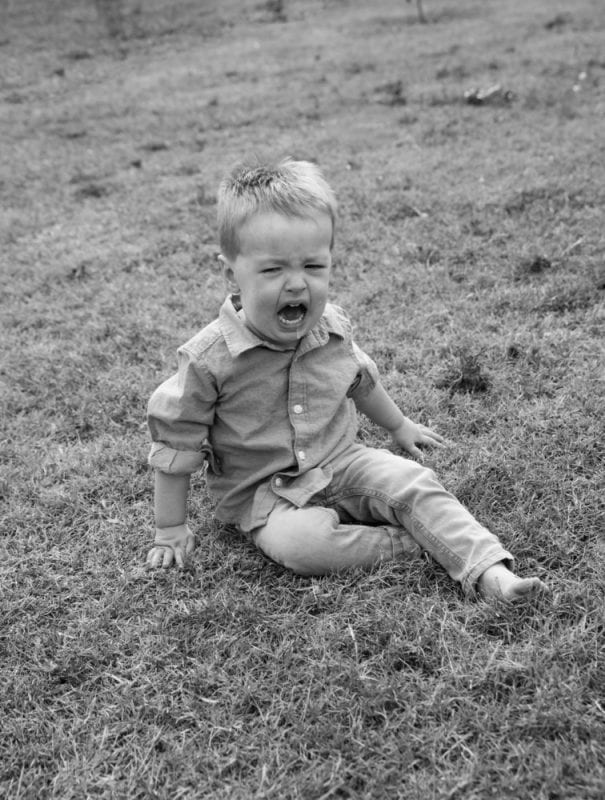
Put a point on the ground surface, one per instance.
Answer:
(470, 253)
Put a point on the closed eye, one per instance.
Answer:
(315, 266)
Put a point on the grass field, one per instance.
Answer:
(470, 254)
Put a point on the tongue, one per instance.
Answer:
(291, 312)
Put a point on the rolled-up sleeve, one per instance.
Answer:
(180, 414)
(367, 377)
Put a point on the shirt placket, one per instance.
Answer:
(298, 413)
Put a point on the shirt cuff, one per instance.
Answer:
(367, 377)
(175, 462)
(364, 383)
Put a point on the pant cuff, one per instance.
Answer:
(469, 582)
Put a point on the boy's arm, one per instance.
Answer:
(380, 408)
(173, 539)
(180, 414)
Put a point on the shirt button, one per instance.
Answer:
(278, 482)
(297, 409)
(302, 455)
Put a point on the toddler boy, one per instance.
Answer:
(266, 397)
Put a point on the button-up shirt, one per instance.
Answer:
(269, 421)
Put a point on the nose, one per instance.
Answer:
(295, 281)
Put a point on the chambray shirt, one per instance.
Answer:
(269, 422)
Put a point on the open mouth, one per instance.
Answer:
(292, 314)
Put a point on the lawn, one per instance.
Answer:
(469, 253)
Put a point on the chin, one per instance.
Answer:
(289, 337)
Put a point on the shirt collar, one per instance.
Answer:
(239, 338)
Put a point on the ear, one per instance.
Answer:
(229, 274)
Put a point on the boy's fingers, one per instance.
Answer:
(432, 436)
(154, 557)
(164, 555)
(432, 439)
(159, 557)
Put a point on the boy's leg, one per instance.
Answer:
(312, 541)
(377, 486)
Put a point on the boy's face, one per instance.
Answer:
(282, 274)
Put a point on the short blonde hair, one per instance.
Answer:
(289, 187)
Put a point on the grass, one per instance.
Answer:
(470, 253)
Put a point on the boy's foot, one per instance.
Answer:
(498, 581)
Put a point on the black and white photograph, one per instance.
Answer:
(302, 399)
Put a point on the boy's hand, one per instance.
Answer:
(408, 435)
(171, 545)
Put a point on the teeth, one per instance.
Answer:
(286, 316)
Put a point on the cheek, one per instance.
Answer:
(256, 300)
(322, 288)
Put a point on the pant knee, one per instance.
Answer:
(299, 540)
